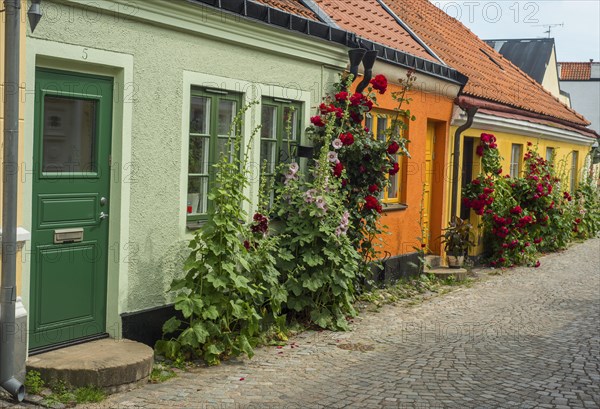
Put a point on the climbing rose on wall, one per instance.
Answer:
(366, 161)
(379, 83)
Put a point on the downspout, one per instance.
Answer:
(471, 111)
(8, 291)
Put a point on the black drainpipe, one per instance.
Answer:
(355, 56)
(368, 62)
(455, 167)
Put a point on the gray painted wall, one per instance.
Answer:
(585, 99)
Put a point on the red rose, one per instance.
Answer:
(394, 169)
(341, 96)
(516, 210)
(486, 137)
(393, 148)
(373, 188)
(537, 264)
(337, 169)
(347, 138)
(356, 117)
(371, 203)
(529, 144)
(317, 121)
(380, 83)
(356, 99)
(480, 150)
(369, 105)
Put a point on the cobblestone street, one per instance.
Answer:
(529, 338)
(526, 339)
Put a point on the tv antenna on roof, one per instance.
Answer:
(549, 27)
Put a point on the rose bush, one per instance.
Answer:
(363, 164)
(519, 214)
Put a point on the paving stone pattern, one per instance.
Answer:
(526, 339)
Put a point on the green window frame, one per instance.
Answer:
(211, 114)
(277, 145)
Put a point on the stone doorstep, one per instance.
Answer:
(444, 272)
(109, 364)
(433, 261)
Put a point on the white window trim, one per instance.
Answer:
(250, 91)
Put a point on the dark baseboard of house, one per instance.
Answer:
(397, 267)
(146, 326)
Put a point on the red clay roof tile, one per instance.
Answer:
(368, 19)
(573, 71)
(291, 6)
(491, 76)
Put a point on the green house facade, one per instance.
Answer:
(122, 94)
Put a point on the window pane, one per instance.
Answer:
(226, 114)
(369, 122)
(200, 115)
(393, 189)
(224, 147)
(198, 156)
(515, 159)
(381, 127)
(267, 153)
(198, 194)
(287, 151)
(269, 122)
(574, 161)
(549, 153)
(290, 119)
(69, 135)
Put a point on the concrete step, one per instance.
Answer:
(460, 274)
(432, 261)
(113, 365)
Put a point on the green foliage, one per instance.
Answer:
(231, 286)
(458, 237)
(59, 392)
(317, 256)
(587, 207)
(34, 382)
(89, 394)
(161, 373)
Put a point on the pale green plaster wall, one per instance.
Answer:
(157, 239)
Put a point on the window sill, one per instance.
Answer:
(394, 207)
(193, 225)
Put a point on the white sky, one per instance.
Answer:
(577, 40)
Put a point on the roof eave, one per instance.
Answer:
(284, 20)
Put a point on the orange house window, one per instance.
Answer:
(378, 121)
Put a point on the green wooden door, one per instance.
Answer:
(71, 181)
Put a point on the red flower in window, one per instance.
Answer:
(393, 148)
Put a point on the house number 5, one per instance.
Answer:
(84, 55)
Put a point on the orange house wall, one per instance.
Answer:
(403, 226)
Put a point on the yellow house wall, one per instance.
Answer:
(563, 152)
(21, 121)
